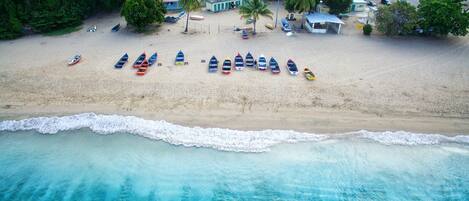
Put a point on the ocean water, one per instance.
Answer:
(110, 157)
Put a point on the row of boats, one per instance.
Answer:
(249, 61)
(239, 63)
(261, 64)
(141, 64)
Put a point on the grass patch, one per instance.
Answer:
(63, 31)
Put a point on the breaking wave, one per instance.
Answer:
(221, 139)
(408, 138)
(217, 138)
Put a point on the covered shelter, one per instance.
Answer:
(322, 23)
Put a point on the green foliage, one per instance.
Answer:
(399, 18)
(140, 13)
(290, 5)
(47, 15)
(367, 29)
(188, 6)
(441, 17)
(253, 9)
(338, 6)
(10, 25)
(303, 6)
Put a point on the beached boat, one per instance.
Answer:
(153, 58)
(226, 68)
(274, 67)
(269, 26)
(74, 60)
(179, 58)
(122, 61)
(139, 60)
(309, 74)
(249, 61)
(262, 63)
(142, 70)
(239, 62)
(291, 66)
(181, 14)
(244, 34)
(286, 26)
(213, 65)
(116, 28)
(196, 17)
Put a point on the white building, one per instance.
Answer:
(322, 23)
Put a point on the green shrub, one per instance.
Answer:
(140, 13)
(46, 16)
(367, 29)
(399, 18)
(441, 17)
(10, 25)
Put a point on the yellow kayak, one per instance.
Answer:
(309, 75)
(269, 26)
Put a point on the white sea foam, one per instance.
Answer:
(221, 139)
(217, 138)
(408, 138)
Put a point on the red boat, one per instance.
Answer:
(142, 70)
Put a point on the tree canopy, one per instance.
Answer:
(140, 13)
(399, 18)
(253, 9)
(46, 16)
(10, 25)
(441, 17)
(338, 6)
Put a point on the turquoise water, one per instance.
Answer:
(83, 165)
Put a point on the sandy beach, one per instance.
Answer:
(374, 83)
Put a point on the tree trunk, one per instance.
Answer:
(187, 23)
(302, 20)
(254, 24)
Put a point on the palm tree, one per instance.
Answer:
(188, 6)
(252, 9)
(303, 6)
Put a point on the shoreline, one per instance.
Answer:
(320, 121)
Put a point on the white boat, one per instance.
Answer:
(262, 63)
(73, 60)
(197, 17)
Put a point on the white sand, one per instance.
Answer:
(375, 83)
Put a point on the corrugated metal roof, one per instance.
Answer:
(323, 17)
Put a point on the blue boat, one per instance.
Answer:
(249, 60)
(122, 61)
(286, 26)
(239, 62)
(292, 69)
(274, 67)
(139, 60)
(213, 65)
(226, 68)
(244, 34)
(152, 60)
(179, 58)
(116, 28)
